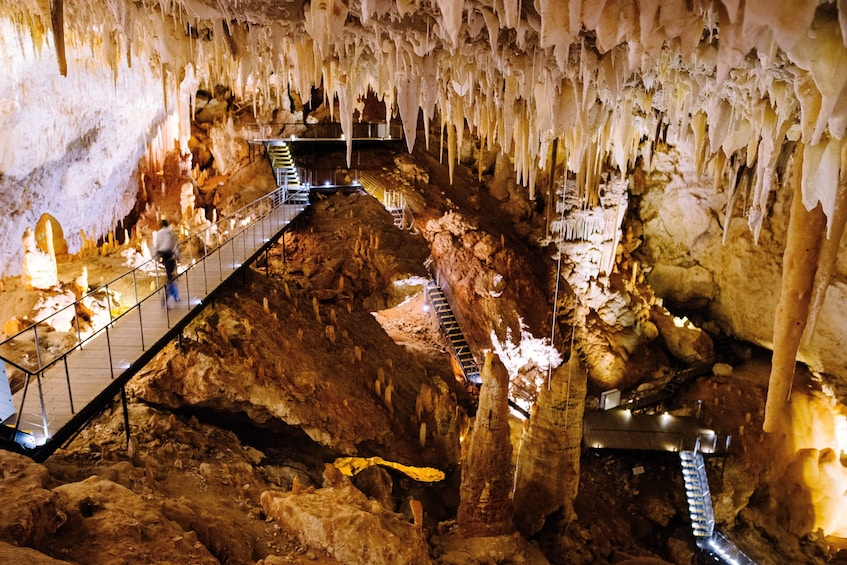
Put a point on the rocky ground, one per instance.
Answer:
(234, 432)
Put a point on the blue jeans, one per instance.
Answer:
(170, 268)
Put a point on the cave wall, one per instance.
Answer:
(70, 145)
(736, 285)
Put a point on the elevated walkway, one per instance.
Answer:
(65, 368)
(640, 400)
(624, 429)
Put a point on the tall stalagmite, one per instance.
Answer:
(485, 507)
(547, 474)
(806, 230)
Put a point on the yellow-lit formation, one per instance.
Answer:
(353, 465)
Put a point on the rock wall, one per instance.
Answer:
(737, 284)
(70, 145)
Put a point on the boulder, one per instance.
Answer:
(682, 339)
(343, 522)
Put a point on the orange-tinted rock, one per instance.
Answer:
(52, 237)
(547, 474)
(485, 508)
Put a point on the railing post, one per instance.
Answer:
(37, 345)
(68, 379)
(23, 402)
(78, 329)
(126, 413)
(138, 306)
(164, 292)
(43, 407)
(187, 288)
(108, 303)
(205, 276)
(220, 259)
(109, 350)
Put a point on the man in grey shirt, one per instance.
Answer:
(166, 249)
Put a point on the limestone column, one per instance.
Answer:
(485, 506)
(799, 264)
(547, 474)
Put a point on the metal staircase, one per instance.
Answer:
(286, 173)
(699, 496)
(723, 550)
(395, 203)
(450, 327)
(702, 514)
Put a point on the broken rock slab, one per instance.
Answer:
(343, 522)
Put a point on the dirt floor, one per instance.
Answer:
(187, 486)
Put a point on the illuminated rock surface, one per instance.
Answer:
(695, 108)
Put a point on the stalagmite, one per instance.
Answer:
(802, 248)
(547, 474)
(485, 507)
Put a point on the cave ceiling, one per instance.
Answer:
(738, 78)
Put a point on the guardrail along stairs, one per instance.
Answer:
(450, 327)
(697, 491)
(286, 173)
(702, 513)
(393, 200)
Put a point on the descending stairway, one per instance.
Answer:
(392, 199)
(702, 514)
(450, 327)
(286, 174)
(699, 496)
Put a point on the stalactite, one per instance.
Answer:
(57, 20)
(800, 261)
(829, 249)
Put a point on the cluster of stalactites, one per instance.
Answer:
(738, 78)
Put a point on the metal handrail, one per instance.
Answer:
(219, 234)
(146, 265)
(260, 132)
(677, 444)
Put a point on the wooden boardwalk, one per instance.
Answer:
(59, 399)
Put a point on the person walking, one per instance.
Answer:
(167, 250)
